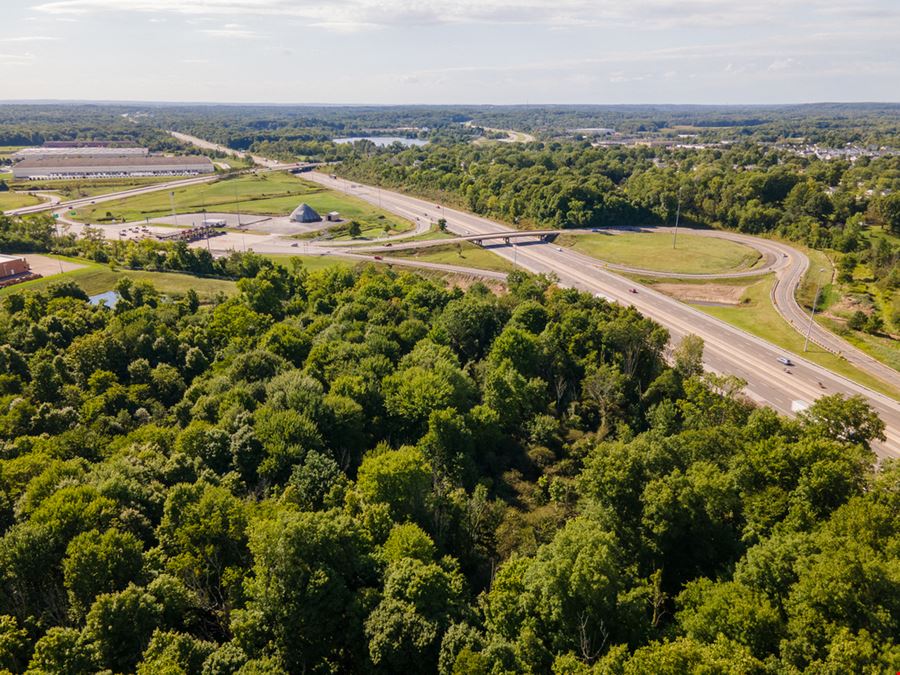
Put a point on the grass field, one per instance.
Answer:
(758, 316)
(263, 194)
(95, 278)
(312, 262)
(464, 255)
(16, 200)
(653, 251)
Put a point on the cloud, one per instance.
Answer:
(16, 59)
(357, 14)
(231, 30)
(29, 38)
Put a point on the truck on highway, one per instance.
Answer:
(798, 406)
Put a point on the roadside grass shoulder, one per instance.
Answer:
(77, 188)
(16, 200)
(312, 263)
(462, 254)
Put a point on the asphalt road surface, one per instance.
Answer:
(728, 350)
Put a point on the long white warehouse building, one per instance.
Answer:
(110, 167)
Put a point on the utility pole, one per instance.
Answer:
(677, 217)
(237, 205)
(172, 200)
(813, 312)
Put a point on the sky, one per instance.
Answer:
(452, 51)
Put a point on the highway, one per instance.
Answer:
(728, 350)
(207, 145)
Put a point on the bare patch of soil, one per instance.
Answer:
(717, 293)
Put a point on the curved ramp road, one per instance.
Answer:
(728, 349)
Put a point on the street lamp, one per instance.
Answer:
(677, 217)
(812, 314)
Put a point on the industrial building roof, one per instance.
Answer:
(63, 162)
(8, 258)
(87, 151)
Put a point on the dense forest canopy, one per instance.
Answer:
(370, 472)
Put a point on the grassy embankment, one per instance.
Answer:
(693, 254)
(838, 300)
(16, 200)
(265, 194)
(77, 188)
(462, 254)
(94, 278)
(756, 315)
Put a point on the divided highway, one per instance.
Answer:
(727, 349)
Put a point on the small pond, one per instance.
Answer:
(110, 298)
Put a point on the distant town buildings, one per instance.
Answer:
(849, 152)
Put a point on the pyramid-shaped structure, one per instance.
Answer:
(305, 214)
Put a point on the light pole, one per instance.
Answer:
(677, 217)
(812, 314)
(515, 256)
(172, 200)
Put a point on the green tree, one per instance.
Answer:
(98, 563)
(64, 651)
(843, 418)
(310, 572)
(203, 542)
(689, 356)
(401, 479)
(119, 625)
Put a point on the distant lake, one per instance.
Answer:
(110, 298)
(382, 141)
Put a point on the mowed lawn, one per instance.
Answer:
(693, 254)
(16, 200)
(758, 316)
(94, 279)
(312, 263)
(273, 194)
